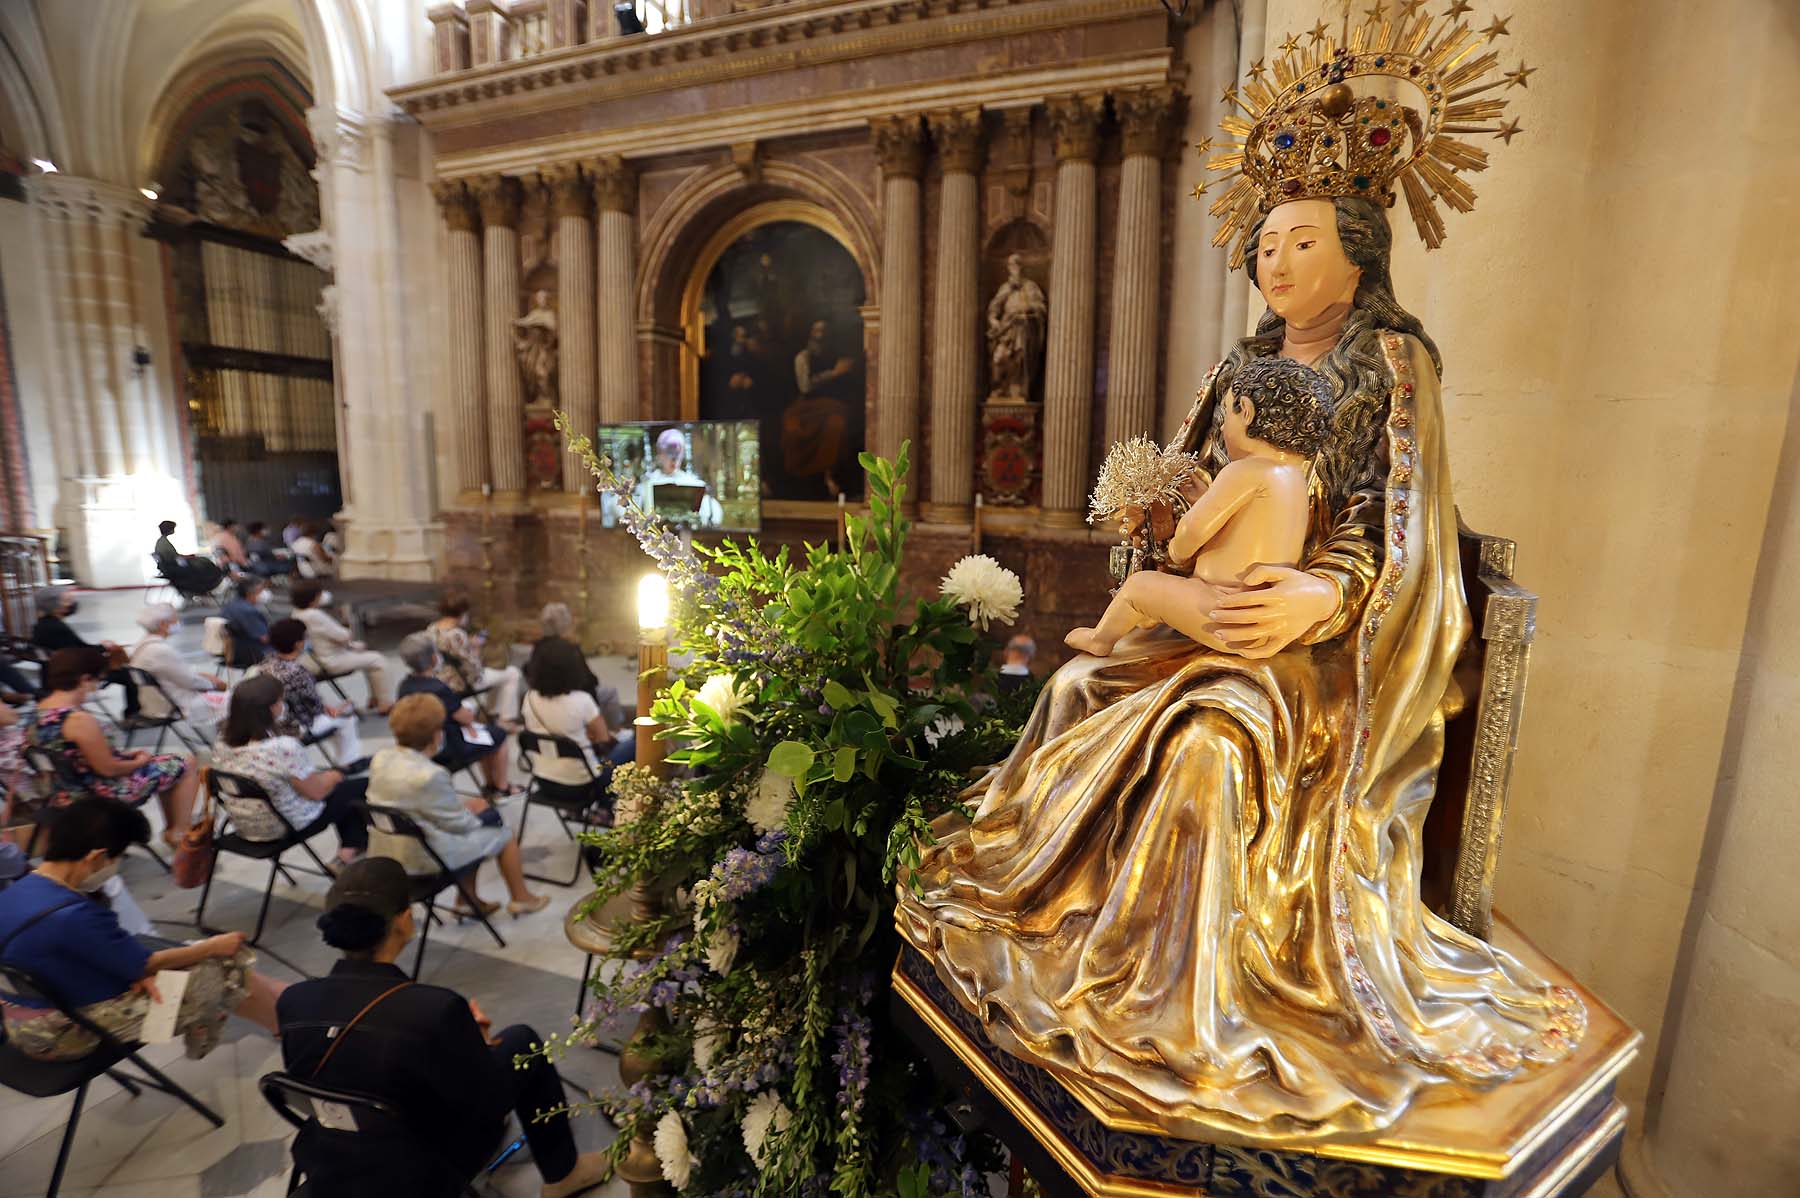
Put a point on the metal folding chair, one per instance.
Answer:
(64, 787)
(48, 1079)
(164, 724)
(572, 804)
(220, 785)
(326, 676)
(425, 890)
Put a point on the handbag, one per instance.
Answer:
(196, 855)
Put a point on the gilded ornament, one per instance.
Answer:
(899, 145)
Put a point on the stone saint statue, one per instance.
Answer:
(1016, 317)
(534, 339)
(1192, 890)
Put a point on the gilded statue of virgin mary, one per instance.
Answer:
(1193, 887)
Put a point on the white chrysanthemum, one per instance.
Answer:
(989, 590)
(944, 725)
(709, 1038)
(766, 1112)
(721, 693)
(672, 1153)
(721, 950)
(768, 807)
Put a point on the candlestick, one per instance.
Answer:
(843, 513)
(975, 531)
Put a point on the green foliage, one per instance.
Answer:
(824, 695)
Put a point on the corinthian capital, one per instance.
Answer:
(1075, 126)
(1144, 119)
(615, 184)
(899, 145)
(500, 197)
(961, 139)
(569, 189)
(458, 206)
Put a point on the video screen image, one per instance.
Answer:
(696, 473)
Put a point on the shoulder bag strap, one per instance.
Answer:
(344, 1032)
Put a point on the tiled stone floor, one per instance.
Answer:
(152, 1146)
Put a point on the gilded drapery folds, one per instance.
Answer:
(1192, 892)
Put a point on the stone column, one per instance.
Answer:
(956, 319)
(570, 192)
(462, 219)
(615, 194)
(1137, 265)
(1069, 348)
(500, 197)
(900, 148)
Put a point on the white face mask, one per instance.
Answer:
(100, 877)
(324, 598)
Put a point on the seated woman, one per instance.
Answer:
(466, 740)
(557, 706)
(306, 798)
(307, 713)
(199, 697)
(460, 665)
(427, 1050)
(54, 925)
(311, 558)
(557, 664)
(73, 737)
(55, 604)
(332, 643)
(187, 573)
(248, 622)
(406, 777)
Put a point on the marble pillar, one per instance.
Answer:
(468, 387)
(500, 197)
(1137, 265)
(900, 148)
(956, 316)
(615, 196)
(572, 194)
(1069, 344)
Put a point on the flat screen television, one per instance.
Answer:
(702, 474)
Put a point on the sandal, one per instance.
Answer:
(520, 907)
(482, 910)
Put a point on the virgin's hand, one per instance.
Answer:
(1281, 606)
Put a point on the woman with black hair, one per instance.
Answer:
(61, 728)
(307, 798)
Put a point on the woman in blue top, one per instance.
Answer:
(54, 925)
(420, 653)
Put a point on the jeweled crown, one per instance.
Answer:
(1328, 120)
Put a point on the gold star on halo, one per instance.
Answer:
(1376, 11)
(1229, 95)
(1258, 70)
(1519, 76)
(1458, 8)
(1409, 7)
(1203, 146)
(1318, 33)
(1199, 189)
(1291, 45)
(1498, 28)
(1508, 131)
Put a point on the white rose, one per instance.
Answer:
(766, 1111)
(768, 807)
(721, 950)
(721, 693)
(708, 1040)
(671, 1142)
(989, 590)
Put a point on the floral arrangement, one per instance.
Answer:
(1138, 473)
(830, 724)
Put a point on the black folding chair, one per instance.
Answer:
(573, 805)
(23, 652)
(146, 682)
(64, 787)
(426, 888)
(48, 1079)
(351, 1125)
(326, 676)
(221, 785)
(466, 669)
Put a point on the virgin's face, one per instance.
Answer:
(1301, 269)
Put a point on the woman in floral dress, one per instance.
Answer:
(73, 737)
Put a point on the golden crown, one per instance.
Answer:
(1305, 134)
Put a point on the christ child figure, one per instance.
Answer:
(1255, 513)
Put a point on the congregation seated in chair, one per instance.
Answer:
(467, 741)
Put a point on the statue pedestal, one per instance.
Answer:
(1012, 456)
(1551, 1134)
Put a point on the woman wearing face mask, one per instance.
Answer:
(307, 798)
(333, 645)
(199, 696)
(460, 666)
(53, 925)
(62, 729)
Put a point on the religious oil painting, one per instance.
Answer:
(783, 347)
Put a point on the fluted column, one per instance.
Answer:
(462, 220)
(1137, 265)
(500, 197)
(956, 322)
(900, 148)
(1069, 349)
(615, 195)
(573, 198)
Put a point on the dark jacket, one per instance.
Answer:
(249, 632)
(51, 633)
(419, 1049)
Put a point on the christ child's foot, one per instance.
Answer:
(1089, 640)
